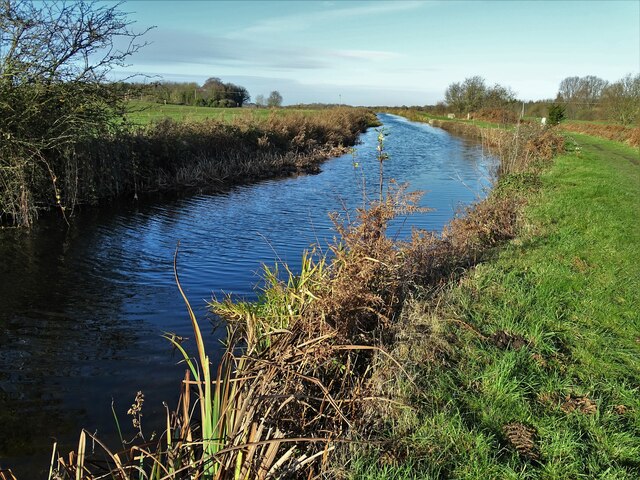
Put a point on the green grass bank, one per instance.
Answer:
(531, 363)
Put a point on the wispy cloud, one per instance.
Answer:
(179, 47)
(175, 47)
(369, 55)
(302, 21)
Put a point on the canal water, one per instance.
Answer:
(82, 309)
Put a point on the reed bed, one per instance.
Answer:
(169, 155)
(524, 148)
(307, 377)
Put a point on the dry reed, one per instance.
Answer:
(171, 155)
(618, 133)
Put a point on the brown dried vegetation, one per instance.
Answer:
(578, 403)
(523, 149)
(618, 133)
(569, 403)
(508, 341)
(502, 116)
(171, 155)
(523, 439)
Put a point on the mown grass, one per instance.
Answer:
(142, 113)
(537, 371)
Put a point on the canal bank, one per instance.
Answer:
(85, 308)
(527, 365)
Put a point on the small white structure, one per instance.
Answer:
(451, 115)
(543, 121)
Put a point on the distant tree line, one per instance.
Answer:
(212, 93)
(473, 94)
(273, 100)
(581, 98)
(592, 98)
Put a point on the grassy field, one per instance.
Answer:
(540, 373)
(142, 113)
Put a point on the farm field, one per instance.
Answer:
(143, 113)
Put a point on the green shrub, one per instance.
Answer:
(556, 114)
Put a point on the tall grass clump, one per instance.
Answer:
(525, 148)
(241, 420)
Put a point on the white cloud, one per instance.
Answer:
(372, 55)
(303, 21)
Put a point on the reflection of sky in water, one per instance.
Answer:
(84, 310)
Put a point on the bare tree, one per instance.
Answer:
(454, 97)
(498, 97)
(581, 94)
(275, 99)
(472, 95)
(568, 90)
(475, 91)
(622, 99)
(55, 58)
(591, 88)
(63, 41)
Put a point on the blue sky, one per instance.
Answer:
(386, 52)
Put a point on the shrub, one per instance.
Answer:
(496, 115)
(556, 114)
(54, 63)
